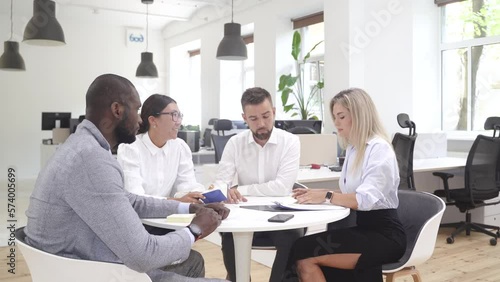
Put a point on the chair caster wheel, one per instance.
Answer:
(451, 240)
(493, 241)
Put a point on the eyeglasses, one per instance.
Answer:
(175, 115)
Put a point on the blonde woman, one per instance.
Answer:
(369, 184)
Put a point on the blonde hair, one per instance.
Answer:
(366, 122)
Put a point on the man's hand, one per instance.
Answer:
(234, 196)
(219, 209)
(191, 197)
(207, 219)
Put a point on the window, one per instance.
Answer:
(311, 30)
(185, 81)
(314, 67)
(470, 56)
(236, 77)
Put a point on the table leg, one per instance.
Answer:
(242, 253)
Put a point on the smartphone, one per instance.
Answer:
(280, 217)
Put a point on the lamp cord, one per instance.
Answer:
(11, 20)
(147, 26)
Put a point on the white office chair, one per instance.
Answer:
(46, 267)
(420, 213)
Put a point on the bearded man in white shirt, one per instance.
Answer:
(265, 161)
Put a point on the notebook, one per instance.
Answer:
(180, 217)
(214, 196)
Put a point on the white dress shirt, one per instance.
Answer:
(159, 172)
(376, 181)
(260, 171)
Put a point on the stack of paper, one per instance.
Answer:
(307, 207)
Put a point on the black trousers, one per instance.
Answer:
(378, 244)
(282, 240)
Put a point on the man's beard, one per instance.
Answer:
(262, 136)
(122, 133)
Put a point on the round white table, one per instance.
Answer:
(244, 222)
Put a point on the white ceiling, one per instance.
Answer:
(128, 12)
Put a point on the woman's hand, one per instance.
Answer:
(310, 196)
(192, 198)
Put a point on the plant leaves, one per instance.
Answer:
(287, 108)
(312, 49)
(296, 45)
(286, 80)
(284, 95)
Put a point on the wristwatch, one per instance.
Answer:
(195, 230)
(329, 196)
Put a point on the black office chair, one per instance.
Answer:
(481, 183)
(222, 125)
(403, 147)
(219, 142)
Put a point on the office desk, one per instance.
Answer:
(419, 165)
(244, 222)
(203, 156)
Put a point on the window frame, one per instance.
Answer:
(468, 44)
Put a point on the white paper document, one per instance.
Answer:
(293, 205)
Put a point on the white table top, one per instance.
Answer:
(245, 220)
(419, 165)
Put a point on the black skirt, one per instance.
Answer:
(379, 237)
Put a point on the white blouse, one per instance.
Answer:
(159, 172)
(260, 171)
(376, 181)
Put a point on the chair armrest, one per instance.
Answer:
(445, 176)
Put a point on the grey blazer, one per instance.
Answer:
(79, 209)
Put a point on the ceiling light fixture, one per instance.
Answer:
(232, 47)
(11, 59)
(43, 28)
(147, 68)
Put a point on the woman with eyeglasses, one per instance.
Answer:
(159, 164)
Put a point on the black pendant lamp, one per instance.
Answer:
(11, 59)
(232, 47)
(147, 68)
(43, 28)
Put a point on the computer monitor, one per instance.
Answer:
(49, 120)
(74, 122)
(191, 137)
(288, 125)
(239, 124)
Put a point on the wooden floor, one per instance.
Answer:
(468, 259)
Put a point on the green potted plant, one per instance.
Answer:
(302, 104)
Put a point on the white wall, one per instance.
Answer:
(57, 79)
(393, 56)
